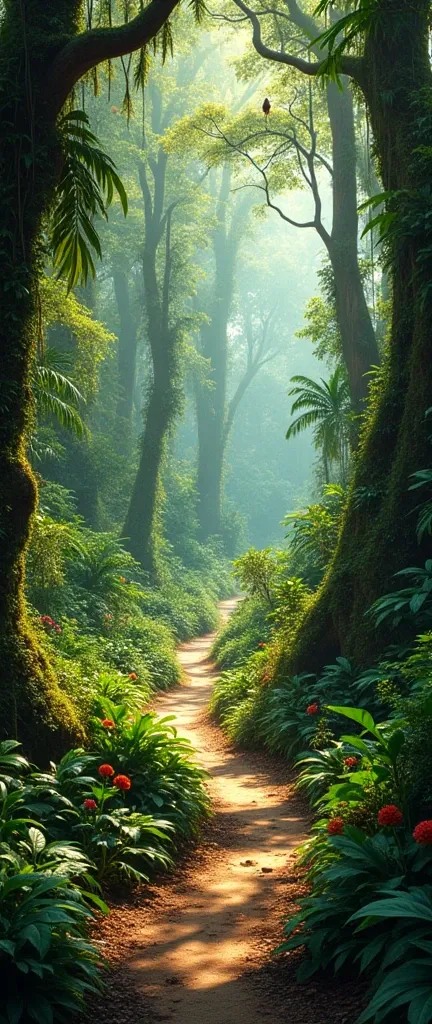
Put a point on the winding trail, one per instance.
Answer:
(195, 947)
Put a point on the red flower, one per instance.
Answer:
(122, 782)
(312, 709)
(133, 676)
(351, 762)
(423, 833)
(106, 771)
(58, 629)
(108, 723)
(335, 827)
(262, 644)
(266, 679)
(90, 805)
(390, 815)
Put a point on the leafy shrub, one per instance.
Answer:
(313, 534)
(47, 965)
(246, 629)
(165, 778)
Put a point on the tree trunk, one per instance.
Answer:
(359, 345)
(139, 530)
(31, 705)
(127, 348)
(211, 402)
(378, 536)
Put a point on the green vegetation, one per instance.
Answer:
(368, 785)
(160, 233)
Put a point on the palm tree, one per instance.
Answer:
(326, 406)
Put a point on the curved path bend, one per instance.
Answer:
(194, 948)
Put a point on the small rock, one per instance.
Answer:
(266, 871)
(247, 863)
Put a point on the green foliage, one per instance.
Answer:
(165, 778)
(85, 189)
(325, 406)
(55, 395)
(313, 534)
(246, 629)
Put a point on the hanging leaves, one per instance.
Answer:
(86, 189)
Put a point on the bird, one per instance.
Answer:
(266, 106)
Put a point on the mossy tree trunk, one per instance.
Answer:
(127, 348)
(42, 55)
(378, 536)
(164, 398)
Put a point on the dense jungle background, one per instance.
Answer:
(215, 249)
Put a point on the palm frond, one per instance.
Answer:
(86, 189)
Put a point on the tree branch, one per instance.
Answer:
(90, 48)
(351, 66)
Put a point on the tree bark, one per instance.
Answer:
(127, 347)
(42, 56)
(359, 345)
(211, 402)
(139, 531)
(378, 536)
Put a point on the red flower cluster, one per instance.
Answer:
(423, 833)
(390, 815)
(262, 644)
(351, 762)
(122, 782)
(108, 723)
(335, 827)
(106, 771)
(49, 623)
(266, 679)
(133, 676)
(313, 709)
(90, 805)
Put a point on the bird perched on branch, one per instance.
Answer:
(266, 106)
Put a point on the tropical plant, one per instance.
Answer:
(164, 776)
(313, 534)
(325, 406)
(411, 602)
(55, 394)
(48, 967)
(85, 189)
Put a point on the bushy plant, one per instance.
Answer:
(165, 777)
(246, 629)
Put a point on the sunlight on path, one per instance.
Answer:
(190, 961)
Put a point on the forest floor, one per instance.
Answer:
(194, 948)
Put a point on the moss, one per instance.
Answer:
(378, 537)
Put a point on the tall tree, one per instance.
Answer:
(291, 25)
(211, 401)
(168, 279)
(44, 51)
(391, 66)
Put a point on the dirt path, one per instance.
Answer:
(195, 948)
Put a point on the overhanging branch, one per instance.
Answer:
(351, 66)
(90, 48)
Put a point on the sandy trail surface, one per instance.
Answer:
(194, 948)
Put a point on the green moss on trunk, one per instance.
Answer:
(31, 703)
(378, 536)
